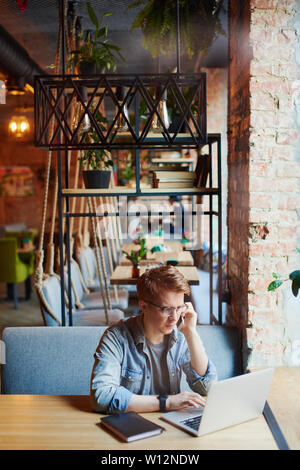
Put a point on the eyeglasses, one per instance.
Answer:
(169, 311)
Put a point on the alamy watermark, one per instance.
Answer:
(174, 219)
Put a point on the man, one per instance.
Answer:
(139, 362)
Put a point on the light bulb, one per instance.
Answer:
(18, 126)
(85, 123)
(13, 126)
(162, 111)
(121, 125)
(23, 126)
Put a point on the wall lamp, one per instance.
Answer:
(18, 126)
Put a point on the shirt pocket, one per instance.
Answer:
(132, 379)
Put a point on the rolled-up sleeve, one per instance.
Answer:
(198, 383)
(107, 396)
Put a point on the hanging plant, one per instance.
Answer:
(199, 25)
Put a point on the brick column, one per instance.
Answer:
(264, 220)
(238, 159)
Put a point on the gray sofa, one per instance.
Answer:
(59, 360)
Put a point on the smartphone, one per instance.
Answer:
(180, 323)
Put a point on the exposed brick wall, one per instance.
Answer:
(238, 160)
(21, 153)
(15, 152)
(262, 117)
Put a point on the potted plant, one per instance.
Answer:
(135, 256)
(141, 240)
(96, 163)
(127, 174)
(95, 53)
(199, 25)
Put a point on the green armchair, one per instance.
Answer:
(12, 269)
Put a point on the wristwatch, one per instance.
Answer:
(162, 402)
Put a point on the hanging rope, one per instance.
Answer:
(84, 242)
(105, 304)
(117, 223)
(38, 275)
(99, 245)
(108, 251)
(109, 257)
(80, 222)
(51, 246)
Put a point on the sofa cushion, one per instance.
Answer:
(59, 360)
(49, 360)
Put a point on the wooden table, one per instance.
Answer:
(174, 246)
(184, 258)
(67, 422)
(284, 401)
(122, 275)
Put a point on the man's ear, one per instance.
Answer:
(142, 304)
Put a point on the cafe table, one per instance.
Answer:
(284, 402)
(184, 258)
(122, 275)
(43, 422)
(172, 246)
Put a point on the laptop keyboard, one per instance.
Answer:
(192, 423)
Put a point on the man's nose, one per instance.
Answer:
(174, 313)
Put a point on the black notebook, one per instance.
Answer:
(131, 426)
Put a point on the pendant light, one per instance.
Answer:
(121, 124)
(159, 125)
(85, 122)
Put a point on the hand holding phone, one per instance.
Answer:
(188, 321)
(180, 323)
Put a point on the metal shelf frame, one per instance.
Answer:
(54, 96)
(64, 191)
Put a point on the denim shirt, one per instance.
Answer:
(122, 366)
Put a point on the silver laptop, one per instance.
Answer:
(231, 401)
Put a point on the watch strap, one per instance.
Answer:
(162, 402)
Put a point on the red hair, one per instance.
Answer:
(167, 277)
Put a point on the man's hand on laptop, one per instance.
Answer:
(184, 400)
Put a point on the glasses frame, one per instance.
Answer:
(162, 307)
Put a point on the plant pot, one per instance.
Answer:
(95, 179)
(135, 271)
(88, 68)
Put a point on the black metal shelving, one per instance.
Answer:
(55, 95)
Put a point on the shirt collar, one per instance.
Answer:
(138, 334)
